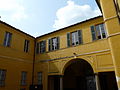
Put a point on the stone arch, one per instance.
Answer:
(74, 60)
(78, 74)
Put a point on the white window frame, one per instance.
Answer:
(75, 40)
(100, 30)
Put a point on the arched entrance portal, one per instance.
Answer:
(79, 75)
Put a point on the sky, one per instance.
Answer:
(38, 17)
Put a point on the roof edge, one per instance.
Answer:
(69, 26)
(16, 29)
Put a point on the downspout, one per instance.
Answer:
(33, 62)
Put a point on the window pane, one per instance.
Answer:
(103, 30)
(42, 46)
(23, 78)
(39, 78)
(54, 43)
(7, 39)
(26, 45)
(98, 32)
(2, 77)
(75, 38)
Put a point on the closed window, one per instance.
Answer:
(41, 47)
(39, 78)
(7, 39)
(53, 43)
(98, 32)
(2, 77)
(26, 45)
(23, 78)
(74, 38)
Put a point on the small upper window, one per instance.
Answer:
(2, 77)
(74, 38)
(39, 78)
(7, 39)
(53, 43)
(23, 78)
(41, 47)
(26, 45)
(98, 32)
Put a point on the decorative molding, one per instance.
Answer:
(38, 61)
(112, 67)
(111, 35)
(15, 59)
(106, 19)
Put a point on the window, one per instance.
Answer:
(2, 77)
(23, 78)
(41, 47)
(53, 43)
(74, 38)
(26, 45)
(39, 78)
(7, 39)
(98, 32)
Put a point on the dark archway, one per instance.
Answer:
(79, 75)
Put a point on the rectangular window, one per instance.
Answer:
(98, 32)
(53, 43)
(41, 47)
(26, 45)
(7, 39)
(39, 78)
(74, 38)
(2, 77)
(23, 78)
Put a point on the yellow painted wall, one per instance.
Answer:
(96, 53)
(14, 59)
(112, 21)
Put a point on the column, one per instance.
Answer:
(97, 82)
(113, 28)
(61, 83)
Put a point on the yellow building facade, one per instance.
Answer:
(83, 56)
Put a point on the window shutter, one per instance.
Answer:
(58, 42)
(93, 33)
(80, 36)
(44, 47)
(68, 39)
(37, 48)
(5, 39)
(49, 44)
(9, 39)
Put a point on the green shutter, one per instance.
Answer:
(37, 48)
(49, 44)
(93, 33)
(80, 36)
(44, 46)
(58, 42)
(68, 40)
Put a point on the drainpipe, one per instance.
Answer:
(33, 62)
